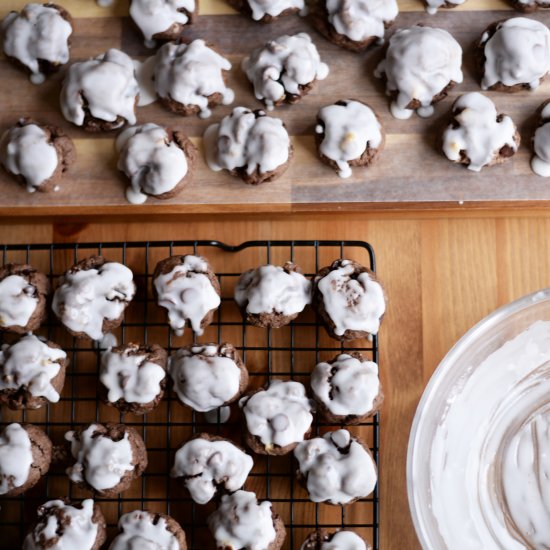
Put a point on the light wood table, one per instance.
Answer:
(442, 272)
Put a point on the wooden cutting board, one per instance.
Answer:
(410, 174)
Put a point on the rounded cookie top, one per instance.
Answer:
(16, 457)
(249, 144)
(38, 35)
(271, 289)
(283, 69)
(207, 376)
(323, 539)
(478, 135)
(347, 386)
(65, 526)
(208, 464)
(101, 93)
(516, 54)
(337, 468)
(279, 415)
(187, 287)
(242, 522)
(420, 64)
(192, 75)
(540, 162)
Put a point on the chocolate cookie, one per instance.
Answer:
(158, 162)
(323, 539)
(270, 11)
(540, 161)
(65, 524)
(32, 372)
(272, 296)
(25, 456)
(92, 296)
(250, 145)
(38, 39)
(133, 377)
(108, 458)
(348, 133)
(23, 292)
(349, 300)
(210, 465)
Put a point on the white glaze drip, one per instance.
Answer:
(15, 457)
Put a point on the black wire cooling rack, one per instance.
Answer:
(289, 352)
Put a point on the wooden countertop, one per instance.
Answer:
(442, 275)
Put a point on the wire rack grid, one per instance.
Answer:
(289, 353)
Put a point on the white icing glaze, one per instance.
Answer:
(18, 300)
(338, 469)
(497, 473)
(190, 73)
(270, 289)
(78, 531)
(218, 416)
(26, 151)
(145, 76)
(278, 415)
(517, 53)
(154, 164)
(283, 65)
(352, 303)
(39, 32)
(105, 3)
(187, 294)
(157, 16)
(346, 387)
(15, 457)
(344, 540)
(31, 364)
(206, 465)
(202, 379)
(479, 133)
(348, 130)
(140, 533)
(540, 163)
(274, 8)
(243, 140)
(420, 62)
(360, 20)
(130, 377)
(106, 84)
(434, 5)
(241, 522)
(541, 3)
(100, 461)
(86, 297)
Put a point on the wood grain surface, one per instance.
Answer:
(410, 174)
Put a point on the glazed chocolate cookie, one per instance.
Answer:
(62, 524)
(347, 389)
(133, 377)
(250, 145)
(37, 156)
(108, 458)
(277, 417)
(23, 292)
(210, 465)
(354, 24)
(143, 529)
(513, 55)
(191, 78)
(343, 458)
(272, 296)
(540, 161)
(208, 376)
(158, 161)
(349, 300)
(92, 296)
(38, 39)
(348, 133)
(529, 6)
(243, 522)
(284, 70)
(187, 287)
(478, 136)
(25, 456)
(422, 64)
(268, 11)
(164, 20)
(323, 539)
(433, 5)
(101, 94)
(32, 372)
